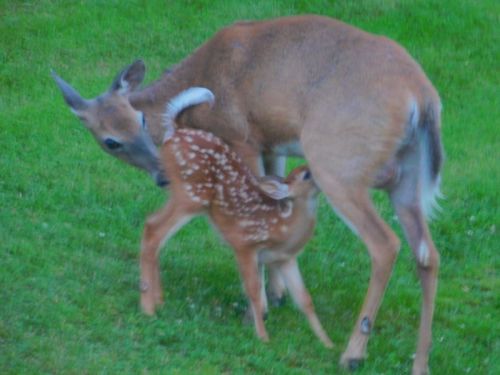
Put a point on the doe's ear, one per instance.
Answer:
(129, 78)
(71, 96)
(274, 188)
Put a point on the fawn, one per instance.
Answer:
(265, 221)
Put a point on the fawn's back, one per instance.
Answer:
(208, 176)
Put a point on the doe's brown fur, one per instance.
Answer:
(357, 107)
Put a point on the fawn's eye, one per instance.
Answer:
(143, 121)
(112, 144)
(307, 175)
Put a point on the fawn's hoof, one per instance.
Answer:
(248, 317)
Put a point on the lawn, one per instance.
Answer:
(71, 217)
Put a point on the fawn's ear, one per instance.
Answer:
(129, 78)
(274, 188)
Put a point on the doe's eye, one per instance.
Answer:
(141, 117)
(307, 175)
(112, 144)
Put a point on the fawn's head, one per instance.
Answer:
(299, 184)
(116, 126)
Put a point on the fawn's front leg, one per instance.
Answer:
(247, 262)
(158, 228)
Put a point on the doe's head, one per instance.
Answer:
(116, 126)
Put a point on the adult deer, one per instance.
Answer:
(355, 105)
(265, 222)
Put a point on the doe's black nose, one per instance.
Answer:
(162, 182)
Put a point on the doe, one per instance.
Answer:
(356, 106)
(266, 222)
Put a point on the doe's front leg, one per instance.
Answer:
(275, 165)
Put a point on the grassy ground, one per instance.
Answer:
(71, 217)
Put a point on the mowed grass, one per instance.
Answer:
(71, 217)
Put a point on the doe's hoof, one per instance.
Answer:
(351, 364)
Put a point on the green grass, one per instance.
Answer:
(71, 217)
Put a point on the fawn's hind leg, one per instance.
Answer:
(293, 281)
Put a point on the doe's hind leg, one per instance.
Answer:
(355, 207)
(406, 201)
